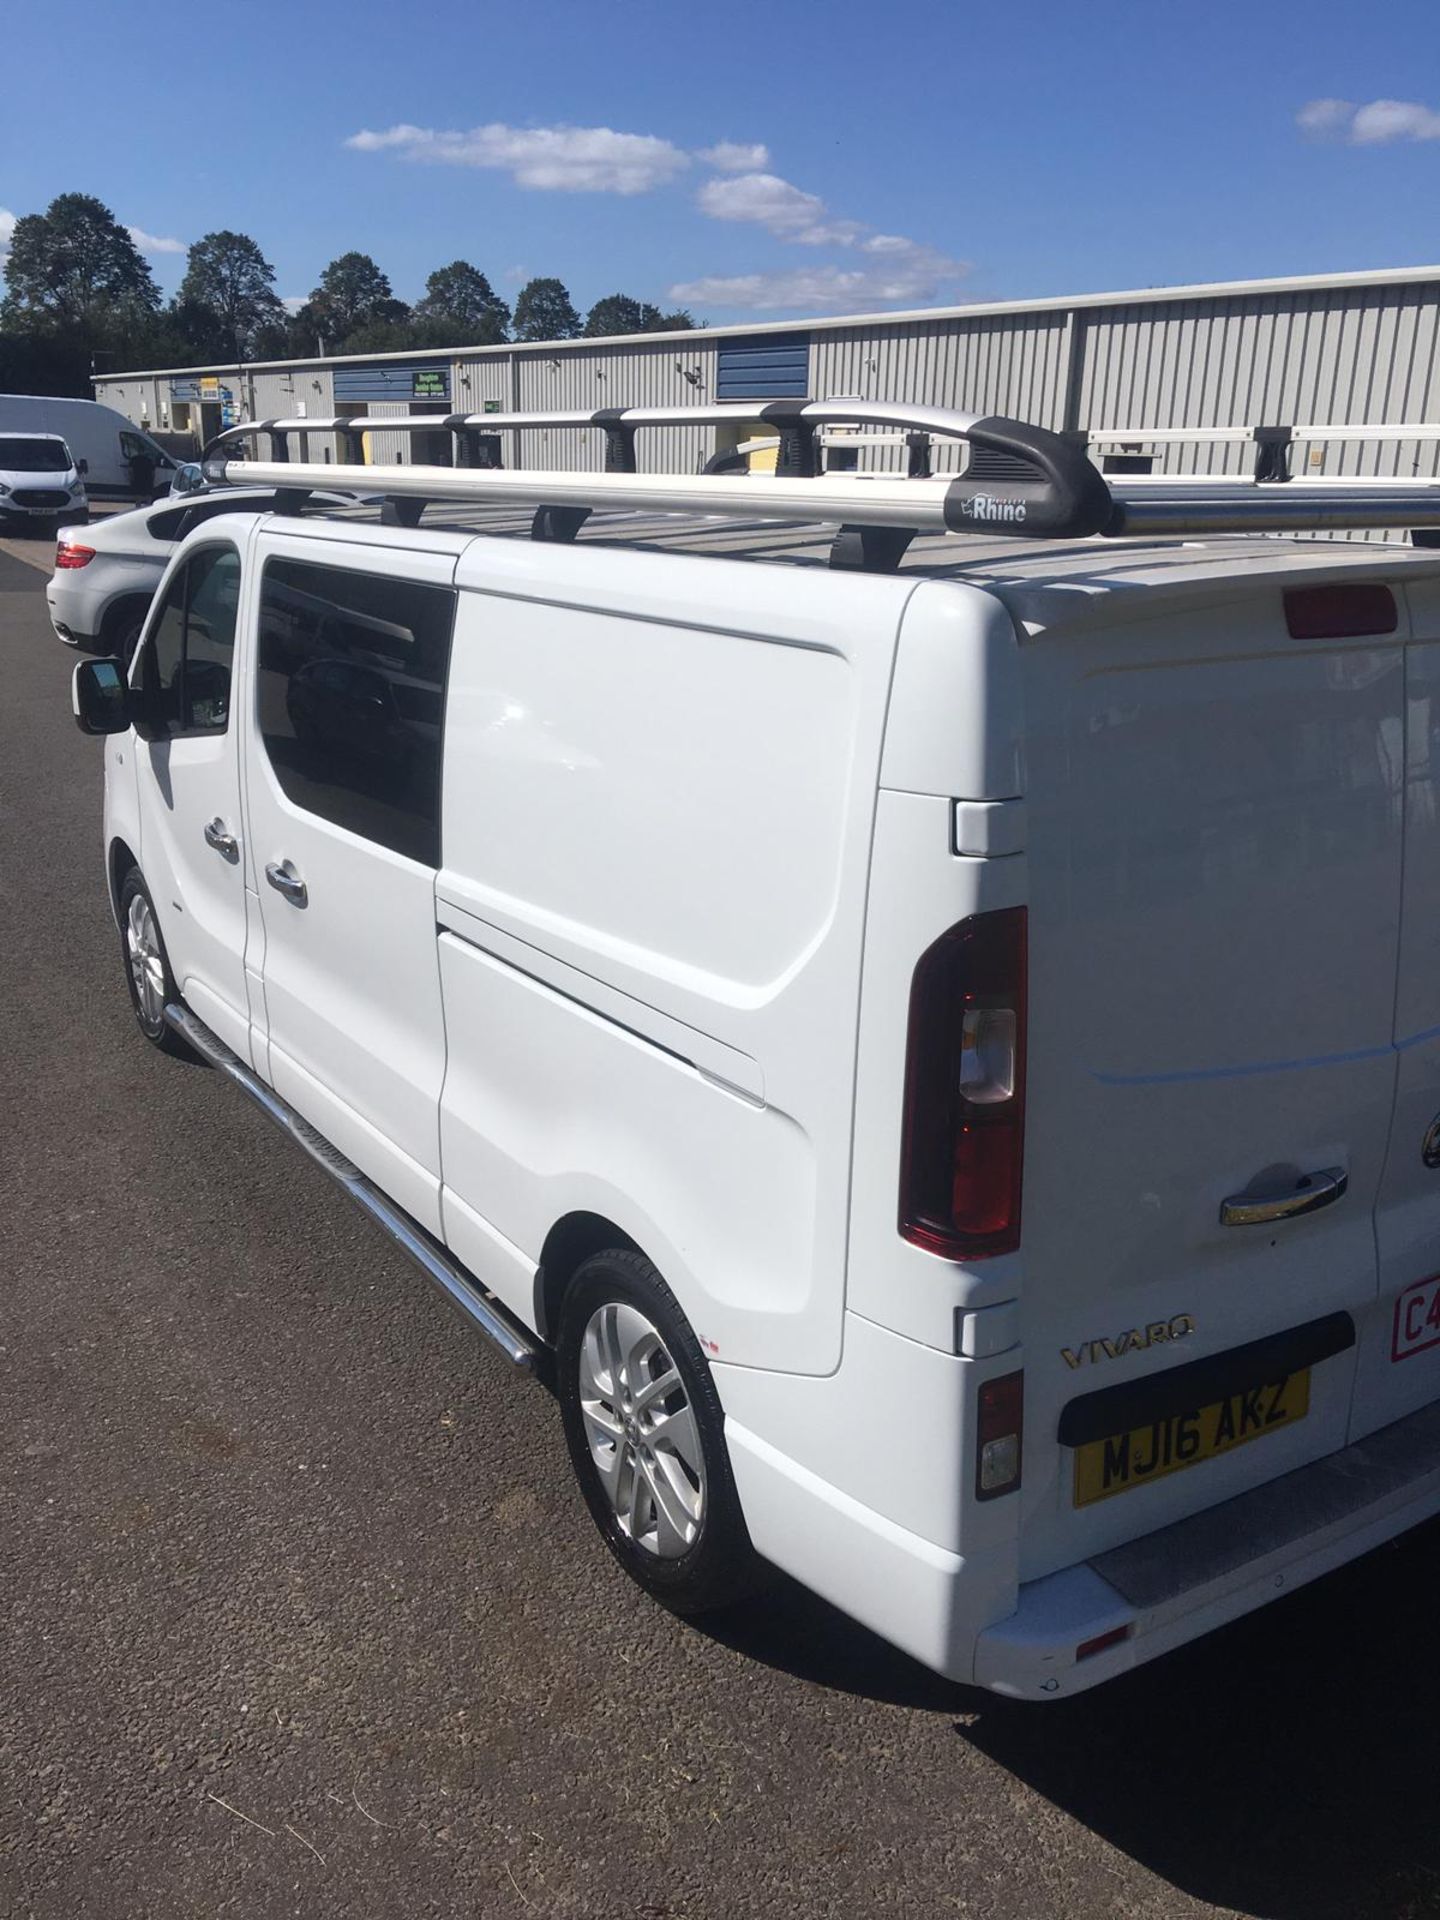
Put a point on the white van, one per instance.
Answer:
(118, 461)
(41, 486)
(936, 1042)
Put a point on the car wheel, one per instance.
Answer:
(122, 634)
(646, 1436)
(147, 966)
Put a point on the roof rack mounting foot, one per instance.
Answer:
(401, 510)
(291, 499)
(558, 523)
(870, 549)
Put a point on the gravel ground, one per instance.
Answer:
(299, 1613)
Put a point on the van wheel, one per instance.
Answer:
(147, 967)
(646, 1437)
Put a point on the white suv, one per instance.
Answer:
(106, 574)
(943, 1057)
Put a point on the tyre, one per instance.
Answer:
(646, 1437)
(122, 633)
(147, 967)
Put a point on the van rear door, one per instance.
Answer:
(1214, 796)
(1398, 1360)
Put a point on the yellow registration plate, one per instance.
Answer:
(1125, 1460)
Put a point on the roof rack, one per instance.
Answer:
(1043, 486)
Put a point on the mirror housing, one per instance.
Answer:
(188, 478)
(82, 467)
(99, 697)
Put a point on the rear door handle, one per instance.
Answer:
(1316, 1190)
(218, 835)
(283, 877)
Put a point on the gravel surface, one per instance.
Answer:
(299, 1613)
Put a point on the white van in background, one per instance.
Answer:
(118, 461)
(40, 483)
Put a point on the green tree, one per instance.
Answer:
(545, 311)
(229, 278)
(618, 313)
(462, 302)
(75, 269)
(353, 293)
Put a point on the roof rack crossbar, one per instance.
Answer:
(1065, 497)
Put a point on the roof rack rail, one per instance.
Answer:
(1065, 499)
(1056, 491)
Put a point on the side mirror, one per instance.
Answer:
(82, 467)
(99, 697)
(189, 478)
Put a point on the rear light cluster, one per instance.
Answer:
(70, 553)
(999, 1436)
(963, 1145)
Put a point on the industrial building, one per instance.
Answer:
(1345, 348)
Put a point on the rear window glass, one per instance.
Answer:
(33, 453)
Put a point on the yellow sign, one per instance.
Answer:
(1126, 1460)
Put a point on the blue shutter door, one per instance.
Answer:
(777, 368)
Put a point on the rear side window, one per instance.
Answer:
(352, 699)
(187, 661)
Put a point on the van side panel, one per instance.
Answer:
(656, 838)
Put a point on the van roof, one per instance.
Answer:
(1043, 581)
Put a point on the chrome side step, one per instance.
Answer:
(478, 1308)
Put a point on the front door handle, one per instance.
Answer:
(1316, 1190)
(283, 877)
(218, 835)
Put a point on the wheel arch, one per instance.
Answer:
(121, 610)
(118, 863)
(568, 1245)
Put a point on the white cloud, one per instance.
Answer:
(897, 272)
(1375, 124)
(152, 243)
(730, 156)
(782, 209)
(293, 302)
(556, 159)
(7, 227)
(913, 281)
(517, 274)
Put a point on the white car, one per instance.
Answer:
(935, 1042)
(40, 484)
(106, 575)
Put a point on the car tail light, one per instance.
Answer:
(70, 553)
(999, 1436)
(963, 1145)
(1340, 613)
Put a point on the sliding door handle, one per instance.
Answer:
(283, 877)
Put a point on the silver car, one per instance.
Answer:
(106, 573)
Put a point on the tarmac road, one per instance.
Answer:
(299, 1614)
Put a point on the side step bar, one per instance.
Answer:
(478, 1308)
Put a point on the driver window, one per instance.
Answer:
(188, 657)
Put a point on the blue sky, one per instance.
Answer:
(765, 160)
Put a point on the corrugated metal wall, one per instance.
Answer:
(604, 377)
(1352, 353)
(1010, 365)
(1348, 355)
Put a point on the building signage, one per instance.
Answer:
(492, 406)
(432, 383)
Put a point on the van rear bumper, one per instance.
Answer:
(1178, 1583)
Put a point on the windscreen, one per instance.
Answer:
(33, 453)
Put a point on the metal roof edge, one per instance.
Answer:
(699, 336)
